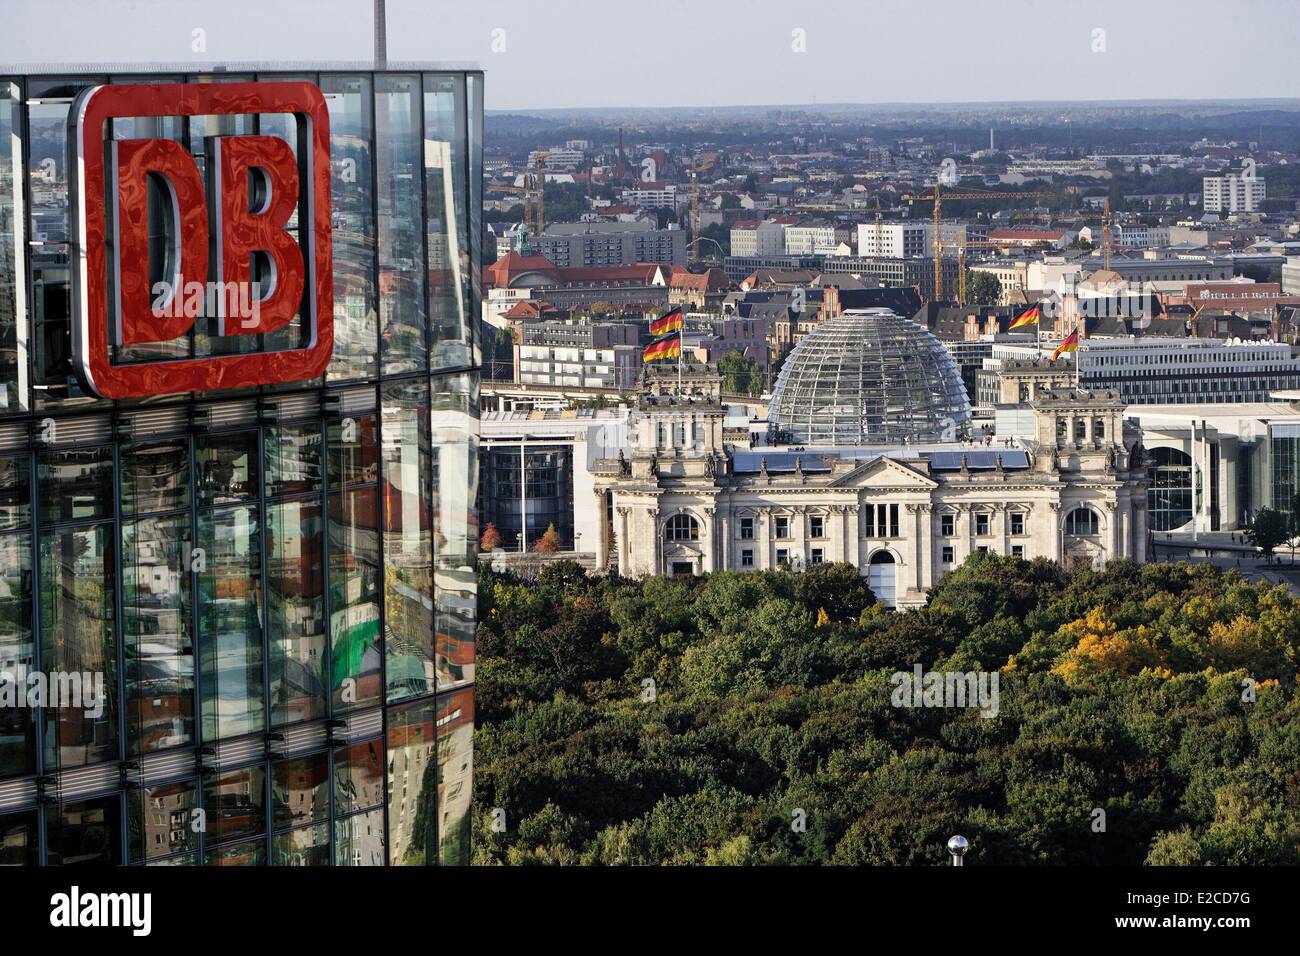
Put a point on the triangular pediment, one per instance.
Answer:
(882, 472)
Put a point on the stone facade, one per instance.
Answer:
(683, 502)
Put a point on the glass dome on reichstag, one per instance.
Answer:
(868, 377)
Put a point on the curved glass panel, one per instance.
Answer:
(1169, 499)
(869, 377)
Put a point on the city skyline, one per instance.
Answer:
(753, 55)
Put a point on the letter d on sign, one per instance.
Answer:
(135, 162)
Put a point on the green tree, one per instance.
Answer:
(740, 376)
(982, 288)
(1270, 529)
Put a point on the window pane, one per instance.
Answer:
(408, 584)
(158, 633)
(300, 791)
(248, 853)
(412, 785)
(398, 161)
(79, 640)
(49, 229)
(307, 846)
(15, 499)
(230, 631)
(455, 776)
(76, 484)
(85, 833)
(359, 840)
(235, 802)
(359, 775)
(19, 840)
(17, 654)
(354, 598)
(296, 610)
(444, 183)
(293, 459)
(162, 820)
(353, 458)
(474, 207)
(454, 420)
(356, 328)
(227, 467)
(155, 477)
(13, 245)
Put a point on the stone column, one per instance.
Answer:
(710, 547)
(1126, 532)
(624, 552)
(652, 518)
(1112, 518)
(602, 540)
(843, 511)
(1058, 533)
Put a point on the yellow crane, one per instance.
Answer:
(532, 193)
(937, 197)
(539, 184)
(1107, 239)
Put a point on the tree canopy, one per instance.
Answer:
(746, 718)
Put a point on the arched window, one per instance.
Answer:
(882, 577)
(683, 528)
(1081, 521)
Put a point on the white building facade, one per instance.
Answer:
(683, 503)
(1232, 193)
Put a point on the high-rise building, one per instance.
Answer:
(1234, 192)
(257, 602)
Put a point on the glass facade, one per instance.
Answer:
(1169, 499)
(546, 499)
(868, 377)
(252, 611)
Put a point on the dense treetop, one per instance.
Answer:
(747, 718)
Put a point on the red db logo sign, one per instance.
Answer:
(145, 275)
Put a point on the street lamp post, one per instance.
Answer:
(957, 846)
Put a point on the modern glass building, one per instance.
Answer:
(266, 596)
(868, 376)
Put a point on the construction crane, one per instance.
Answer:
(539, 183)
(937, 198)
(695, 169)
(532, 193)
(1107, 238)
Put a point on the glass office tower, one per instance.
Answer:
(274, 587)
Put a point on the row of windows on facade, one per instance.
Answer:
(229, 543)
(1081, 428)
(818, 555)
(1194, 360)
(364, 803)
(884, 519)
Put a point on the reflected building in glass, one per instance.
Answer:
(274, 586)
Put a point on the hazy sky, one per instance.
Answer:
(571, 53)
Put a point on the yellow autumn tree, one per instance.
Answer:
(1247, 644)
(1101, 647)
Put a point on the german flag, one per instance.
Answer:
(1029, 317)
(668, 322)
(665, 348)
(1071, 344)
